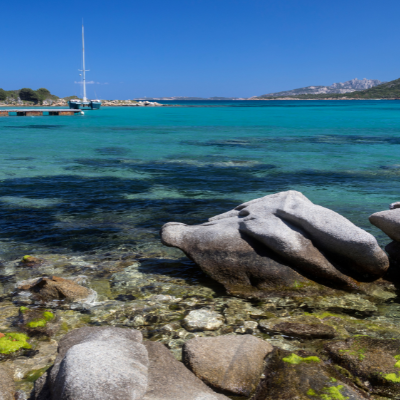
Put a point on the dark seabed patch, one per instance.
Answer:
(316, 139)
(34, 126)
(112, 151)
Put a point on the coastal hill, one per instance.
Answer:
(340, 87)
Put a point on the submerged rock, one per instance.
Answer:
(374, 363)
(55, 288)
(203, 320)
(306, 328)
(169, 379)
(280, 242)
(303, 376)
(231, 364)
(38, 322)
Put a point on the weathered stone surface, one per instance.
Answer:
(7, 388)
(301, 329)
(394, 205)
(97, 363)
(374, 363)
(108, 334)
(202, 320)
(280, 241)
(302, 376)
(231, 364)
(239, 262)
(103, 371)
(56, 288)
(388, 221)
(169, 379)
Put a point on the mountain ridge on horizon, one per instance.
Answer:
(352, 85)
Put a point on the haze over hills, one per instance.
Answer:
(340, 87)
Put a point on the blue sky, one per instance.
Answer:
(197, 47)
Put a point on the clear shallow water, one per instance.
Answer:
(114, 176)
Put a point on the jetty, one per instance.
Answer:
(37, 113)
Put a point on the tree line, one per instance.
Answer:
(27, 94)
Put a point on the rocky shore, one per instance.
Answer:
(105, 103)
(299, 303)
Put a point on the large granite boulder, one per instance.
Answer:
(388, 221)
(230, 364)
(101, 363)
(281, 241)
(169, 379)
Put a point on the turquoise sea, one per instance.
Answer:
(112, 177)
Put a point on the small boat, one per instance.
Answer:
(84, 104)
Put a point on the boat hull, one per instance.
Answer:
(75, 105)
(85, 105)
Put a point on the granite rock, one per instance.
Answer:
(202, 320)
(96, 363)
(56, 288)
(230, 364)
(169, 379)
(99, 370)
(280, 241)
(389, 222)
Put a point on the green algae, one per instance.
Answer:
(37, 323)
(328, 393)
(41, 322)
(23, 309)
(295, 359)
(47, 315)
(35, 374)
(333, 393)
(12, 342)
(393, 377)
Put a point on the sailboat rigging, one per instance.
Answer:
(85, 103)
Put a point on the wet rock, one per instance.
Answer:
(394, 205)
(169, 379)
(303, 376)
(374, 363)
(280, 241)
(388, 221)
(56, 288)
(7, 387)
(247, 327)
(231, 364)
(84, 361)
(302, 328)
(30, 261)
(202, 320)
(38, 321)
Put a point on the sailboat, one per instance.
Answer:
(85, 103)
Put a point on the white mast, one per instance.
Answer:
(83, 62)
